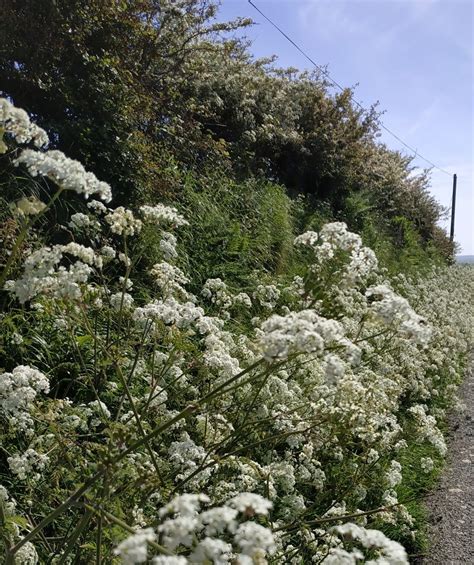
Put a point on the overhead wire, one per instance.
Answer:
(337, 85)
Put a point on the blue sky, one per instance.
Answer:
(415, 57)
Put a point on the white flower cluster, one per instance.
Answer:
(81, 221)
(23, 465)
(162, 215)
(66, 173)
(191, 531)
(267, 295)
(215, 290)
(388, 550)
(27, 206)
(18, 391)
(395, 310)
(298, 332)
(43, 275)
(122, 221)
(170, 279)
(16, 122)
(335, 237)
(167, 246)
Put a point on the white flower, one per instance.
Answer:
(169, 560)
(80, 221)
(66, 173)
(122, 222)
(252, 537)
(16, 122)
(134, 549)
(97, 207)
(427, 464)
(42, 275)
(391, 551)
(394, 474)
(30, 460)
(108, 253)
(218, 519)
(167, 246)
(211, 550)
(298, 332)
(121, 301)
(162, 215)
(250, 503)
(27, 554)
(170, 279)
(27, 206)
(185, 505)
(308, 239)
(18, 390)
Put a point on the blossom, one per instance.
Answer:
(43, 275)
(162, 215)
(16, 122)
(134, 548)
(23, 465)
(121, 301)
(298, 332)
(167, 246)
(122, 221)
(392, 551)
(251, 503)
(80, 221)
(211, 550)
(18, 390)
(252, 537)
(66, 173)
(27, 206)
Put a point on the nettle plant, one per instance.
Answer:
(143, 423)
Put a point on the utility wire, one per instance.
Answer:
(337, 85)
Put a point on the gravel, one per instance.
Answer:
(451, 506)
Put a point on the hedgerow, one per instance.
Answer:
(143, 421)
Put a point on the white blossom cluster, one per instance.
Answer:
(122, 221)
(27, 206)
(43, 273)
(18, 391)
(67, 173)
(393, 309)
(298, 332)
(16, 122)
(191, 530)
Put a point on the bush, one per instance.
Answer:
(276, 425)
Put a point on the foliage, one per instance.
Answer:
(146, 412)
(140, 90)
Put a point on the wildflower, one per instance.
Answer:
(250, 503)
(167, 246)
(134, 548)
(16, 122)
(66, 173)
(162, 215)
(27, 206)
(122, 222)
(298, 332)
(30, 460)
(80, 221)
(252, 538)
(427, 464)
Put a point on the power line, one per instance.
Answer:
(337, 85)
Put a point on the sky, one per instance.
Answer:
(413, 57)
